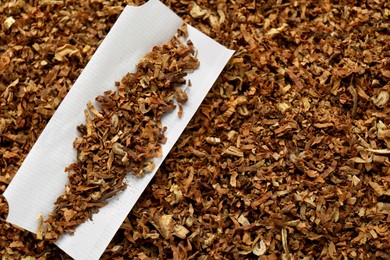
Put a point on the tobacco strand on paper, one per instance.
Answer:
(123, 135)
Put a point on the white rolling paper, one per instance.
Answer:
(41, 178)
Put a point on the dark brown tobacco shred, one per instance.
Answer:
(123, 135)
(287, 157)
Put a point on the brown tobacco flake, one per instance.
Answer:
(123, 136)
(181, 97)
(231, 150)
(355, 100)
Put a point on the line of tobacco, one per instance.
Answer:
(122, 135)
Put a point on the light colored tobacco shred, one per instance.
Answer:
(312, 180)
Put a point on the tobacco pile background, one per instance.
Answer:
(287, 156)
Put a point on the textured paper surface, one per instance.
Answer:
(41, 178)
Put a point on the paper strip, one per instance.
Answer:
(41, 178)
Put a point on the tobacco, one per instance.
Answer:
(123, 136)
(312, 183)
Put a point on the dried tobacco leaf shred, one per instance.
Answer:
(124, 135)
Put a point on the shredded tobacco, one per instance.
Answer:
(123, 135)
(288, 156)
